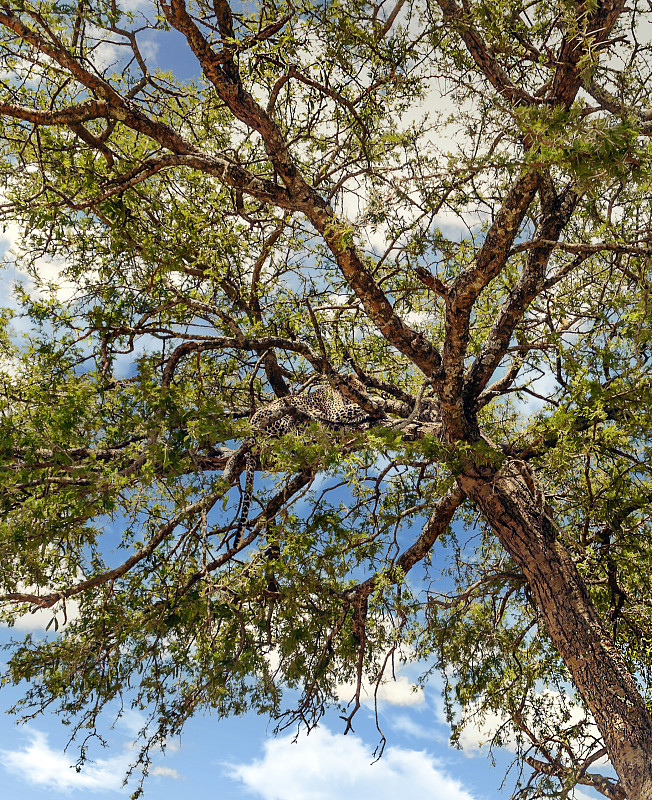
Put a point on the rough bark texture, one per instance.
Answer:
(570, 618)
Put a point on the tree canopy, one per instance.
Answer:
(440, 210)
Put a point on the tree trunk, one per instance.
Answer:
(571, 619)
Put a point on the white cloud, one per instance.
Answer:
(165, 772)
(481, 731)
(327, 766)
(48, 269)
(112, 50)
(398, 692)
(50, 272)
(9, 235)
(133, 5)
(579, 795)
(105, 54)
(401, 692)
(65, 611)
(41, 618)
(132, 721)
(40, 765)
(11, 366)
(51, 278)
(558, 711)
(406, 724)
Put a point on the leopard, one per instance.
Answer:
(325, 405)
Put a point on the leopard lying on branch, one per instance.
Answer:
(326, 405)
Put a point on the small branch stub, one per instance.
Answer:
(431, 281)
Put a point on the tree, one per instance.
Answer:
(307, 210)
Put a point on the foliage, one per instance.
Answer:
(451, 203)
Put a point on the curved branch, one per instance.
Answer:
(525, 290)
(574, 48)
(479, 51)
(304, 197)
(48, 600)
(84, 112)
(436, 525)
(606, 786)
(466, 288)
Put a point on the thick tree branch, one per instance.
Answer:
(606, 786)
(227, 171)
(113, 105)
(465, 289)
(521, 522)
(305, 198)
(84, 112)
(440, 518)
(478, 49)
(592, 29)
(526, 289)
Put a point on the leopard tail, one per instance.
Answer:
(250, 468)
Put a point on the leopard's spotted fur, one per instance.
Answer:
(326, 406)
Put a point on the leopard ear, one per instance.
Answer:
(352, 379)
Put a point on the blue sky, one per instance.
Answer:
(240, 758)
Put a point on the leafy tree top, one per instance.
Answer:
(440, 211)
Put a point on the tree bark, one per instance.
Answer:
(526, 531)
